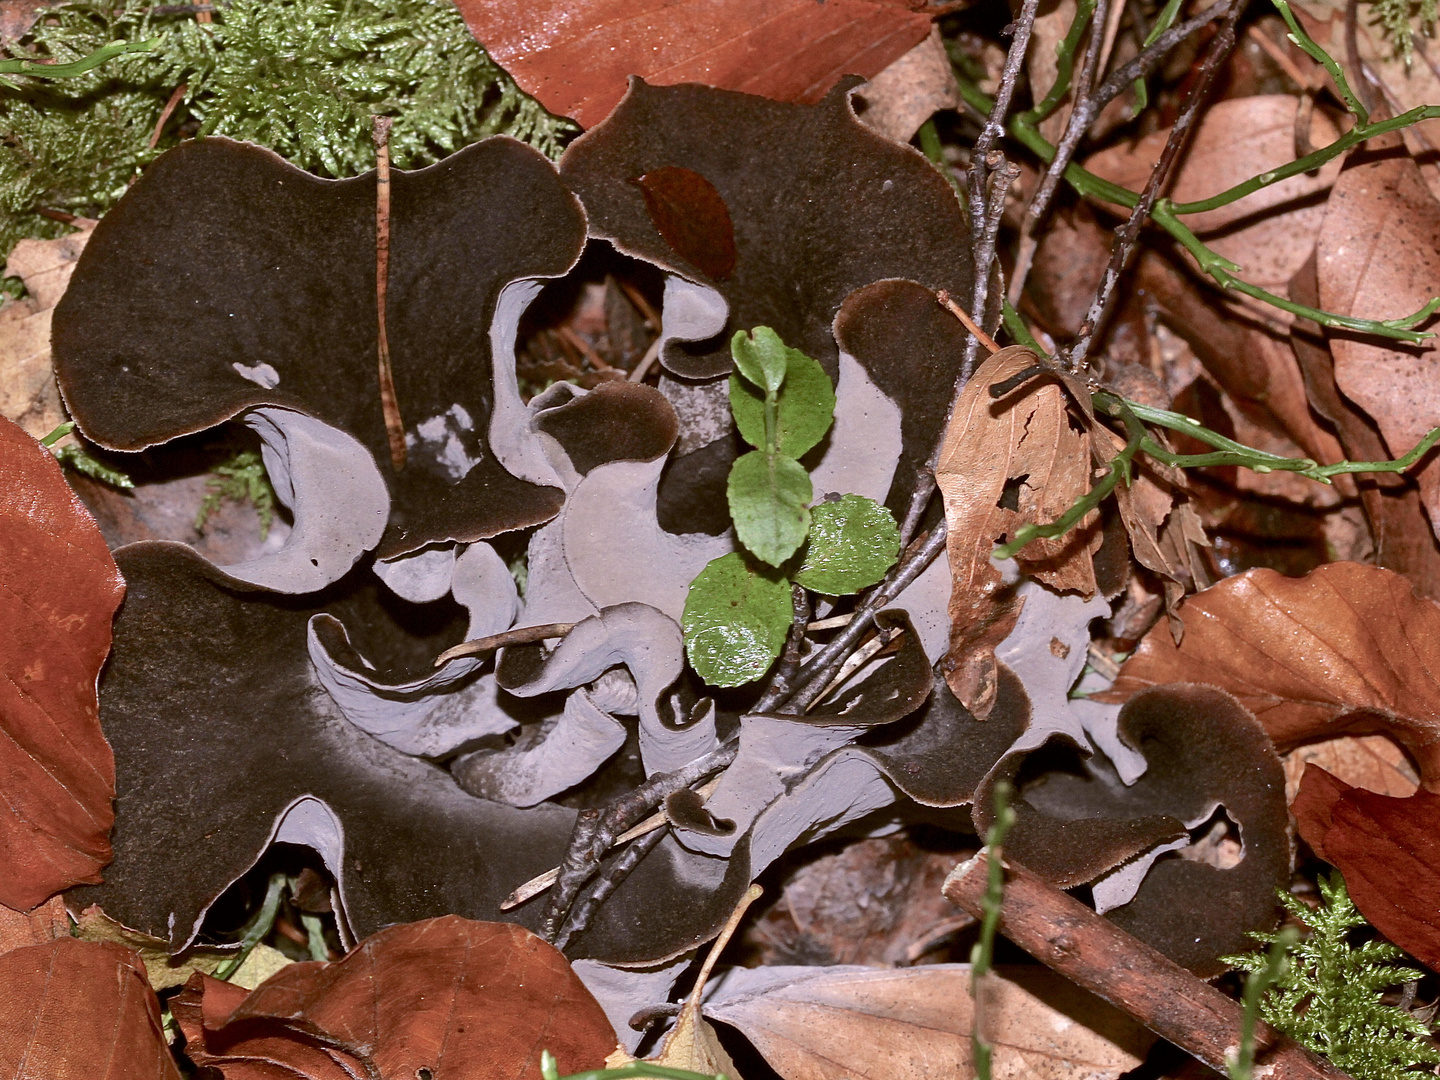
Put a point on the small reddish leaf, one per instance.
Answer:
(79, 1010)
(1379, 842)
(576, 55)
(58, 590)
(447, 996)
(692, 217)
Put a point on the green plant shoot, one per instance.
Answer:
(982, 955)
(739, 608)
(550, 1070)
(1241, 1065)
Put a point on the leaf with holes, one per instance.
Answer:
(853, 541)
(735, 621)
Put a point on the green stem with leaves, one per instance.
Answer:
(1024, 128)
(982, 956)
(1242, 1064)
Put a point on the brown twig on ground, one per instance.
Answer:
(1064, 934)
(1128, 234)
(593, 836)
(176, 96)
(516, 635)
(783, 681)
(389, 404)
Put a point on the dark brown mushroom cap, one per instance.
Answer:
(224, 259)
(820, 205)
(219, 726)
(616, 421)
(1203, 749)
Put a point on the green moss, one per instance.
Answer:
(1330, 997)
(303, 77)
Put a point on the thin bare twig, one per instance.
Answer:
(1075, 128)
(389, 404)
(783, 681)
(1128, 234)
(176, 96)
(516, 635)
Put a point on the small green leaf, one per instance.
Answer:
(853, 542)
(735, 620)
(805, 406)
(769, 496)
(761, 359)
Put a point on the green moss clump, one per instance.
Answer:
(302, 77)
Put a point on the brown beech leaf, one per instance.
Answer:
(58, 590)
(827, 1023)
(77, 1010)
(692, 218)
(577, 55)
(1004, 463)
(444, 997)
(1377, 842)
(1378, 257)
(1345, 650)
(911, 90)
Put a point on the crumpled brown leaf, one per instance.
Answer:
(77, 1010)
(577, 55)
(1378, 257)
(28, 394)
(908, 1024)
(447, 996)
(1005, 463)
(904, 95)
(58, 590)
(1346, 650)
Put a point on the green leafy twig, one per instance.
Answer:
(75, 67)
(982, 955)
(549, 1070)
(1228, 452)
(1166, 19)
(1312, 49)
(1242, 1063)
(1167, 214)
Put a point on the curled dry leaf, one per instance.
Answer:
(827, 1023)
(58, 590)
(911, 90)
(1347, 649)
(78, 1010)
(1372, 762)
(576, 57)
(1377, 259)
(28, 394)
(1378, 841)
(46, 923)
(443, 997)
(1005, 463)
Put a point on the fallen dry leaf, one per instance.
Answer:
(1233, 141)
(76, 1010)
(906, 94)
(58, 590)
(444, 997)
(164, 970)
(577, 57)
(1377, 259)
(827, 1023)
(1346, 650)
(1019, 459)
(1378, 842)
(46, 923)
(1403, 539)
(28, 394)
(1372, 762)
